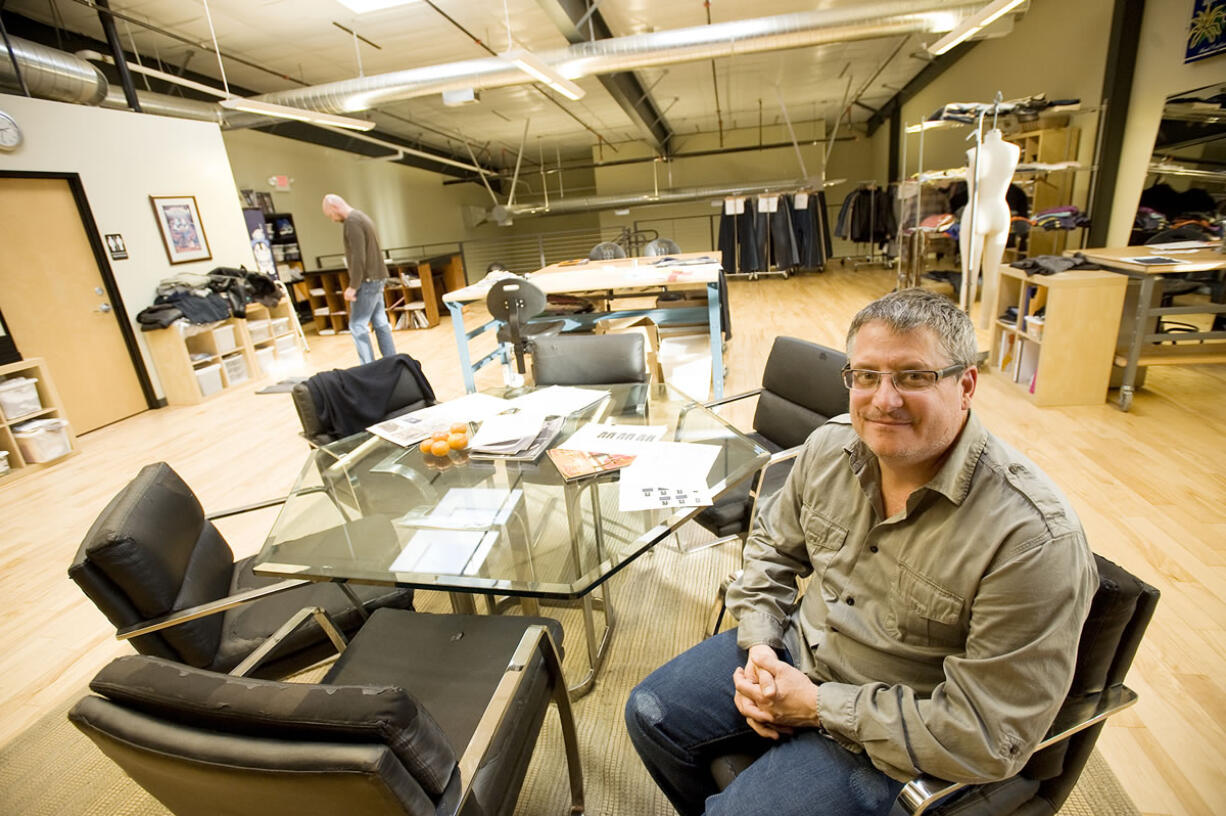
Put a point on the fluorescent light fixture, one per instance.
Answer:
(973, 25)
(137, 68)
(366, 6)
(297, 114)
(536, 68)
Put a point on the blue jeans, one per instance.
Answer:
(368, 308)
(682, 716)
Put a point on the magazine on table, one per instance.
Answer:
(521, 437)
(409, 429)
(575, 464)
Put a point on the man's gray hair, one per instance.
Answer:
(910, 309)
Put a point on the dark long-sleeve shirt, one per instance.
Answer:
(362, 253)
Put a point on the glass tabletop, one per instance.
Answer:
(370, 511)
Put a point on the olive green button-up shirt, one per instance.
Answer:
(943, 638)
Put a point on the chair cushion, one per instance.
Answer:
(386, 715)
(1110, 612)
(588, 359)
(729, 512)
(154, 546)
(802, 389)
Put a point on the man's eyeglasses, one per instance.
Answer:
(865, 379)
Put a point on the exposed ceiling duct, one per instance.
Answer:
(859, 22)
(53, 74)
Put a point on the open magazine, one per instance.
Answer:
(575, 464)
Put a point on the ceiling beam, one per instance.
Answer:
(920, 81)
(624, 86)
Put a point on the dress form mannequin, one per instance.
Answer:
(983, 242)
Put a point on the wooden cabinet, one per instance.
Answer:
(195, 362)
(48, 407)
(1046, 190)
(412, 295)
(1059, 345)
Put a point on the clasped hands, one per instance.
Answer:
(775, 697)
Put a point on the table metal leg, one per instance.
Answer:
(1139, 330)
(462, 603)
(355, 600)
(596, 651)
(461, 342)
(717, 341)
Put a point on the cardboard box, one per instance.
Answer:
(651, 339)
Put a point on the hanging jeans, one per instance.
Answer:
(368, 308)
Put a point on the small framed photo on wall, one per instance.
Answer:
(182, 230)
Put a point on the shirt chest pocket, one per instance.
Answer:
(823, 539)
(925, 613)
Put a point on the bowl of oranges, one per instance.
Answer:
(441, 443)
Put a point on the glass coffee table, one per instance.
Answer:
(365, 510)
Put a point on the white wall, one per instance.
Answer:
(122, 159)
(409, 206)
(1160, 72)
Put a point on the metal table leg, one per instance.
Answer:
(595, 651)
(461, 342)
(1138, 340)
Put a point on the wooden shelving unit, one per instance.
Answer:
(1066, 361)
(1049, 145)
(182, 350)
(414, 287)
(34, 368)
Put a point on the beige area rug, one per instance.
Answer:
(660, 602)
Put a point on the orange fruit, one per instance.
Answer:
(440, 447)
(439, 435)
(425, 445)
(457, 440)
(459, 428)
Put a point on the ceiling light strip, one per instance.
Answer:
(973, 25)
(535, 67)
(297, 114)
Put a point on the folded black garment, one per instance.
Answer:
(158, 316)
(1051, 264)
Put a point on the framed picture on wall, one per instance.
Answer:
(182, 230)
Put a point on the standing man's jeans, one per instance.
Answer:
(682, 716)
(368, 308)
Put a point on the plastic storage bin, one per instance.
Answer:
(41, 440)
(209, 378)
(19, 396)
(236, 368)
(280, 325)
(286, 345)
(223, 336)
(266, 358)
(261, 330)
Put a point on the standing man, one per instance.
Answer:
(367, 275)
(950, 582)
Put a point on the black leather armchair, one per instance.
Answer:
(384, 732)
(162, 573)
(1120, 612)
(589, 359)
(335, 404)
(515, 301)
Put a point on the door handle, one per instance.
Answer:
(104, 307)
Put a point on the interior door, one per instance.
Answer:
(52, 296)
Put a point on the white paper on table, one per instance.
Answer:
(667, 475)
(1167, 247)
(466, 508)
(440, 552)
(1152, 260)
(602, 437)
(507, 432)
(408, 429)
(557, 400)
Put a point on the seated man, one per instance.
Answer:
(950, 582)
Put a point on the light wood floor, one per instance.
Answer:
(1150, 486)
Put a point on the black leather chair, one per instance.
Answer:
(589, 359)
(334, 404)
(515, 301)
(153, 553)
(385, 732)
(1120, 612)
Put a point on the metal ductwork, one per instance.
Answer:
(859, 22)
(165, 105)
(564, 206)
(53, 74)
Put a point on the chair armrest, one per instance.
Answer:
(725, 400)
(297, 619)
(246, 508)
(206, 609)
(920, 793)
(536, 638)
